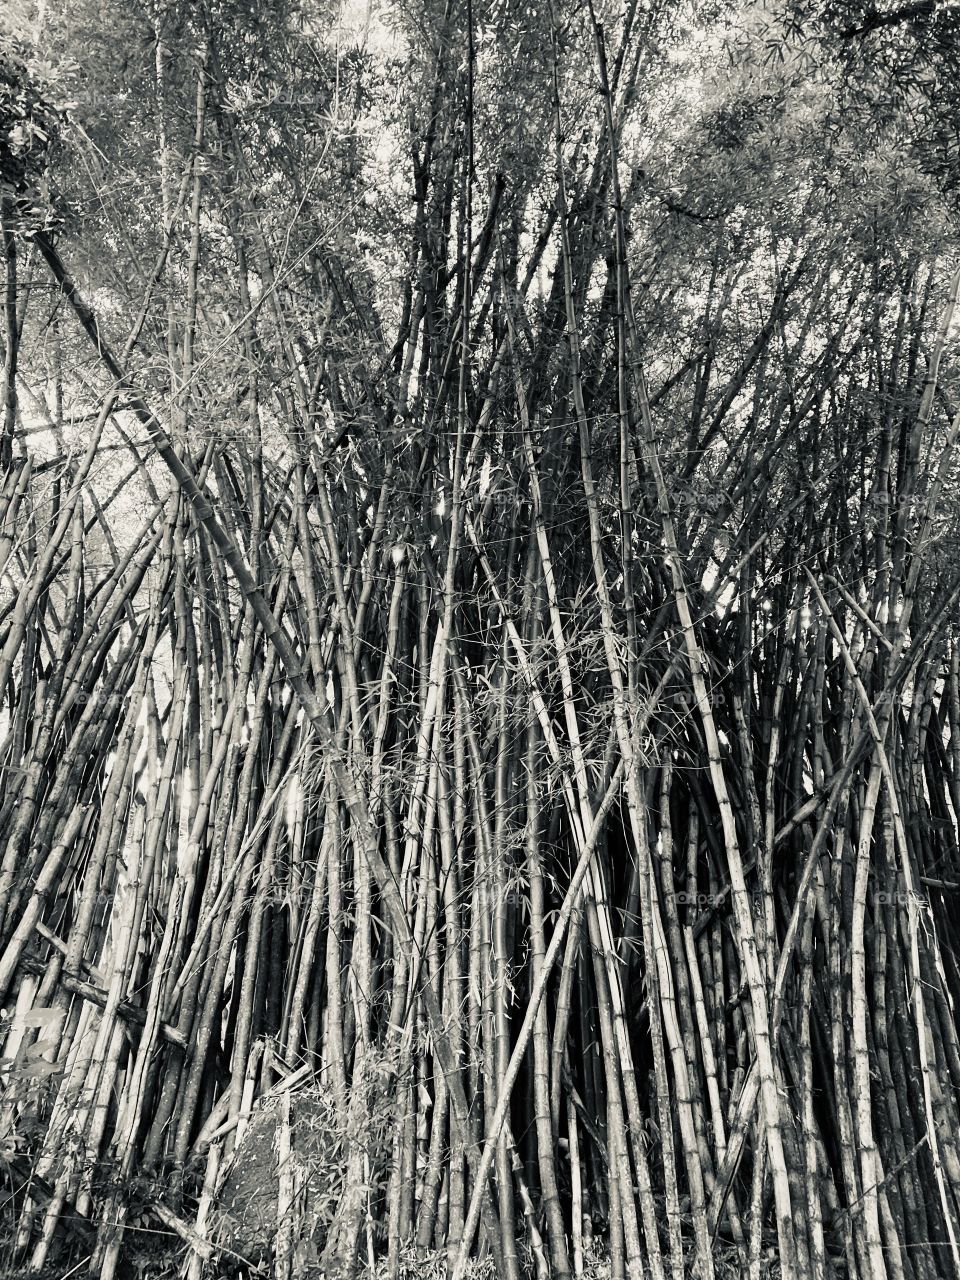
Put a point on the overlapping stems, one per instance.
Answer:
(538, 736)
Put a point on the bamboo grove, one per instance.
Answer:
(479, 646)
